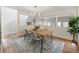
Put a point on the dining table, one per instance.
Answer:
(43, 32)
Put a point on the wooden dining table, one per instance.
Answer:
(43, 32)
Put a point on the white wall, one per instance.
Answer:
(8, 20)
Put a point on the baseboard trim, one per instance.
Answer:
(12, 34)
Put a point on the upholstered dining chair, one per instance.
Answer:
(26, 34)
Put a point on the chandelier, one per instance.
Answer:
(36, 11)
(36, 14)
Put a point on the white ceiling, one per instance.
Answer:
(47, 10)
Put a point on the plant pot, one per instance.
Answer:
(73, 41)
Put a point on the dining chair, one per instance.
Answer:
(26, 34)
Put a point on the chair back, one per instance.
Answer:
(26, 32)
(32, 35)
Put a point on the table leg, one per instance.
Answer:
(51, 38)
(41, 44)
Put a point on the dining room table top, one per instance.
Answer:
(41, 31)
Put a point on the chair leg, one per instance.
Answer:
(24, 37)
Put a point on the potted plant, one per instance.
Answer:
(74, 27)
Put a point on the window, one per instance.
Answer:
(53, 24)
(39, 23)
(49, 24)
(59, 24)
(45, 23)
(65, 24)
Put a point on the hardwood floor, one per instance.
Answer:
(9, 46)
(70, 48)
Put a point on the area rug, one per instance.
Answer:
(48, 47)
(57, 46)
